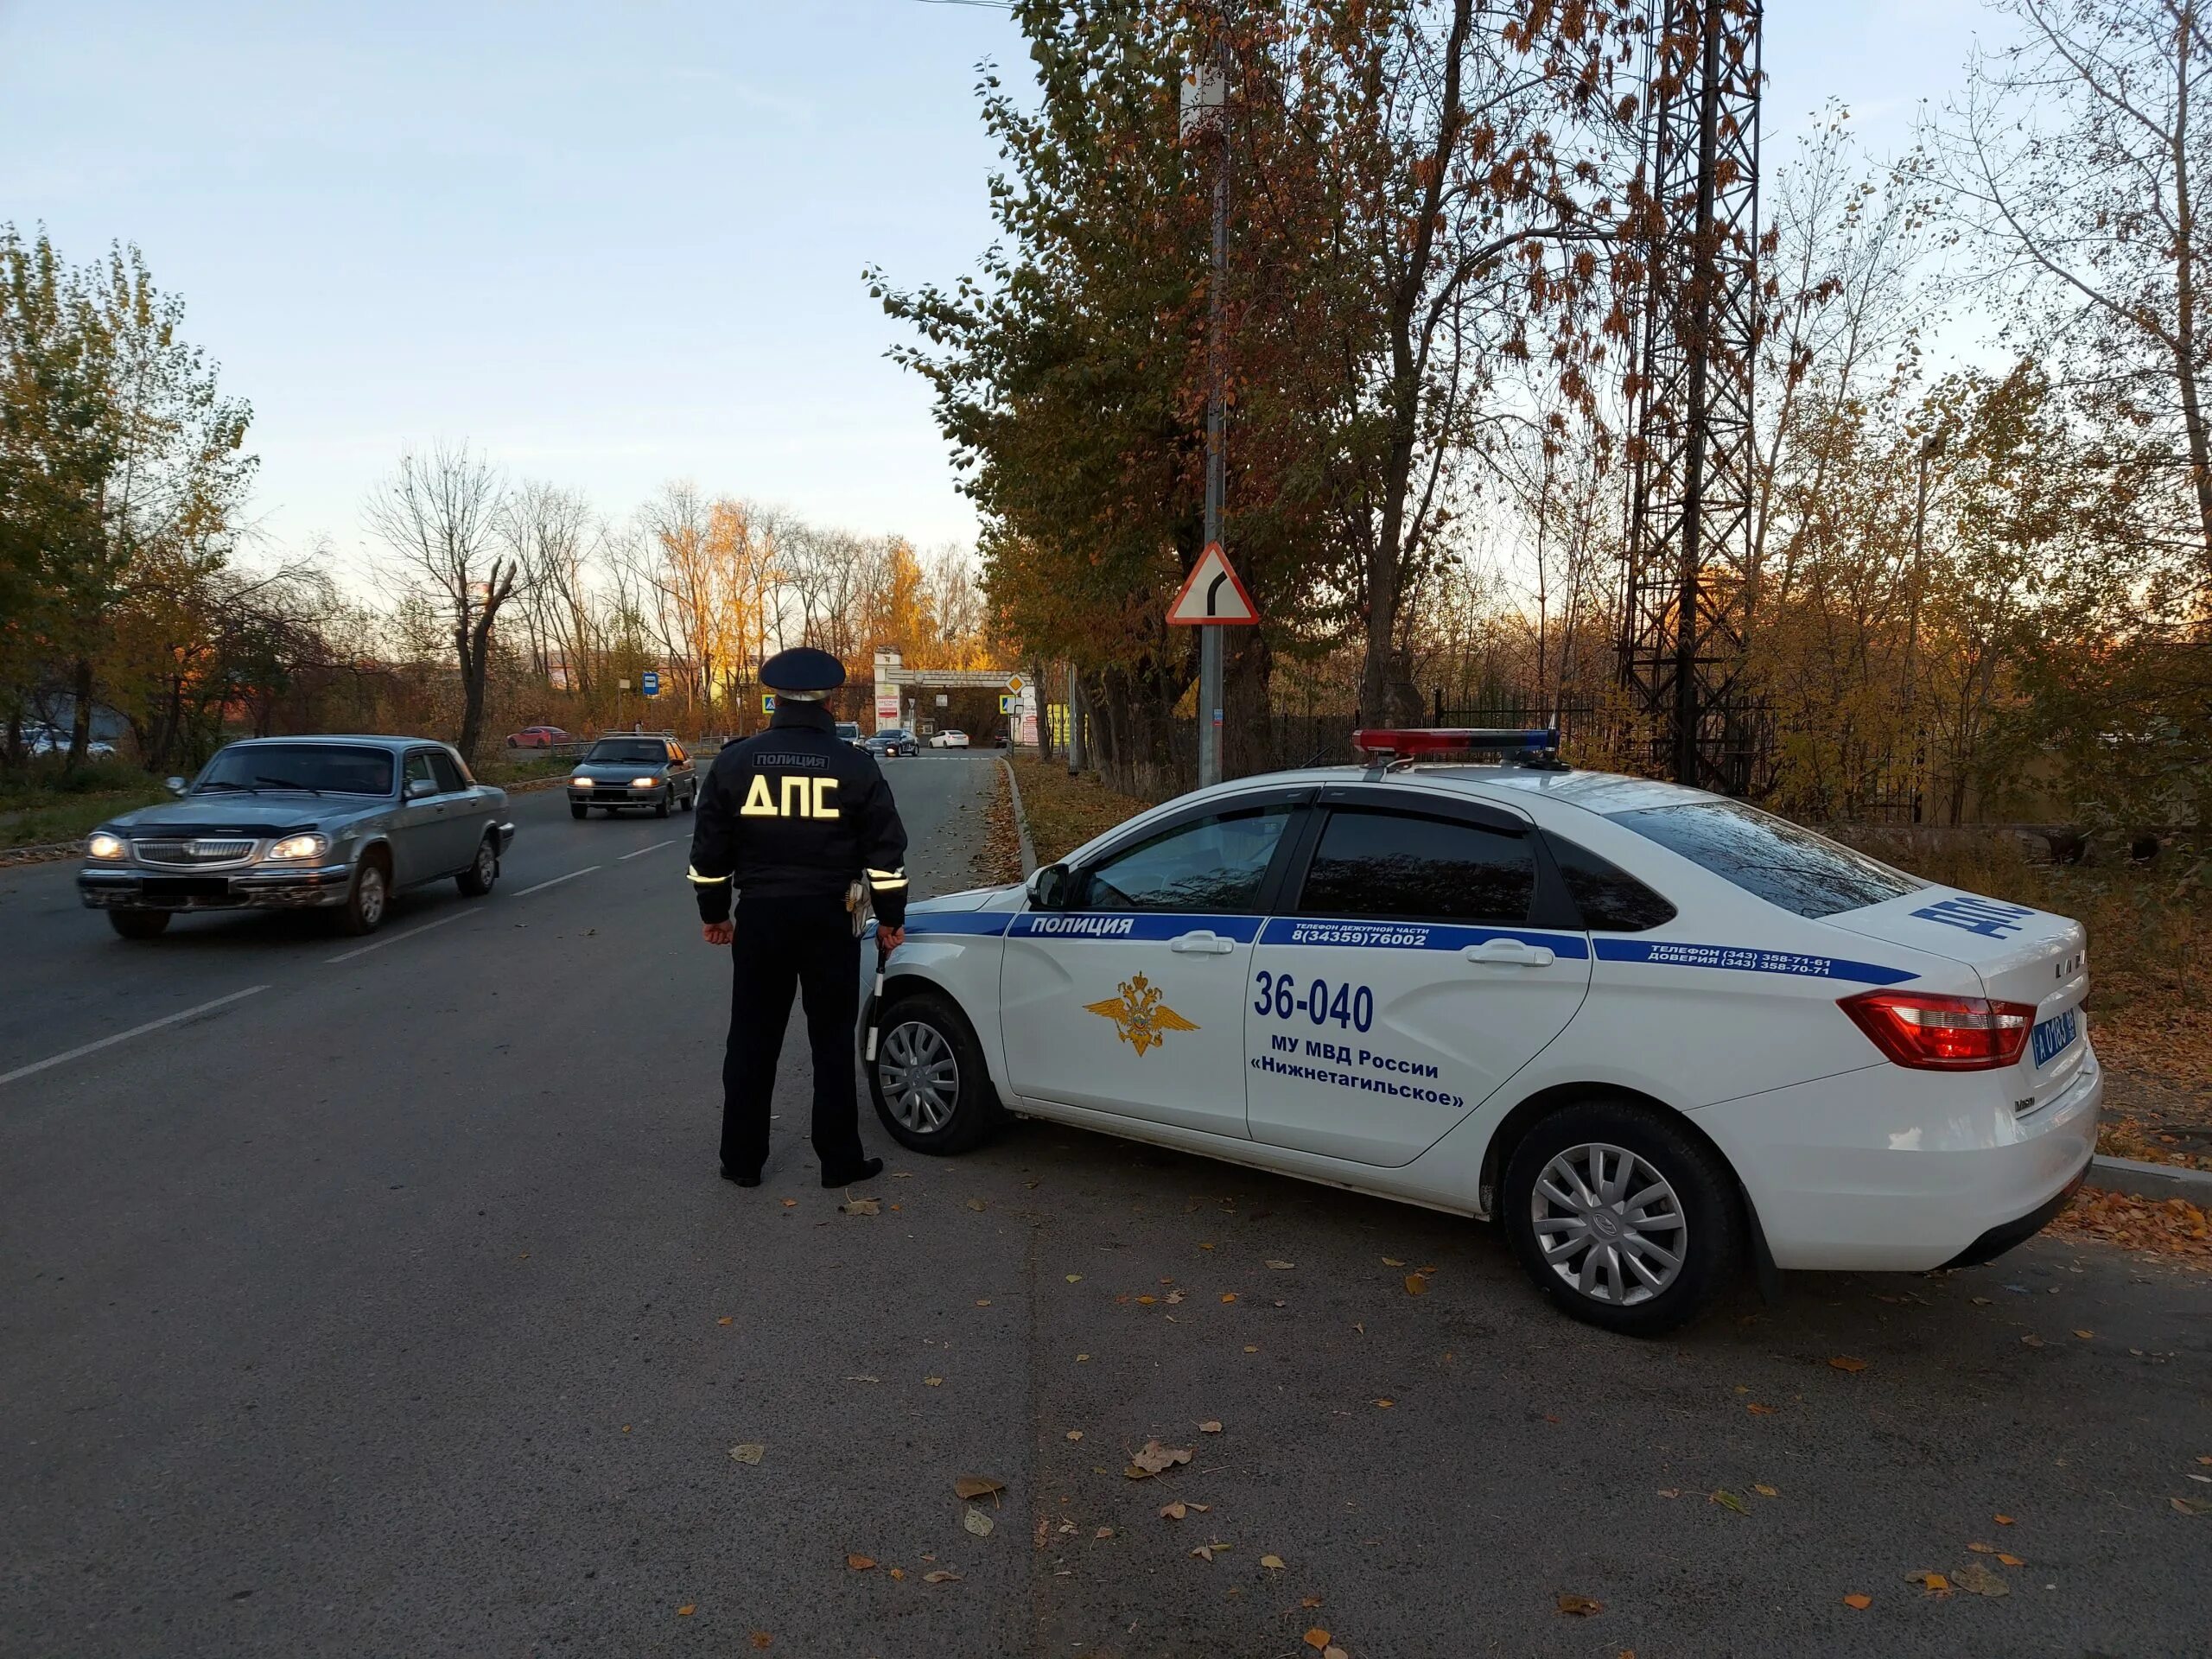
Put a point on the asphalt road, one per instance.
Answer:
(395, 1308)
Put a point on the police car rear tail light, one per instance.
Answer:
(1943, 1033)
(1411, 742)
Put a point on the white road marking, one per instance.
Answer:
(557, 880)
(642, 851)
(394, 939)
(83, 1049)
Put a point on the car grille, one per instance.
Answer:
(195, 852)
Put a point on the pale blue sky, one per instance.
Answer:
(610, 243)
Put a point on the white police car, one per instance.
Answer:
(1658, 1034)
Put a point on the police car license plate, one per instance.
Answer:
(2054, 1035)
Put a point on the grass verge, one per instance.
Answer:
(1063, 813)
(56, 805)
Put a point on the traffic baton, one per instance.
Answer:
(875, 1002)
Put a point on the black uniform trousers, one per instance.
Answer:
(780, 943)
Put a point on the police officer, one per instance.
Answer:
(800, 823)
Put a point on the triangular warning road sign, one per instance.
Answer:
(1212, 596)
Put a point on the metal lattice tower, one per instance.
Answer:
(1689, 547)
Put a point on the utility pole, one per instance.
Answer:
(1205, 113)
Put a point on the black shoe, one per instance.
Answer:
(866, 1170)
(730, 1174)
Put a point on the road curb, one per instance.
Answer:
(44, 852)
(2142, 1180)
(1020, 823)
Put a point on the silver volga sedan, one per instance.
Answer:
(288, 823)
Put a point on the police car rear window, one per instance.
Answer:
(1394, 864)
(1771, 858)
(1610, 899)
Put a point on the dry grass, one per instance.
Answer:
(1063, 813)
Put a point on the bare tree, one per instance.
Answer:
(549, 533)
(438, 513)
(2072, 163)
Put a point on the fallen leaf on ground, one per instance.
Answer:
(1207, 1551)
(860, 1563)
(1176, 1511)
(1847, 1363)
(1282, 1267)
(971, 1486)
(1210, 1427)
(1757, 1410)
(1273, 1563)
(1309, 1601)
(1976, 1579)
(1103, 1532)
(1174, 1297)
(2032, 1340)
(1415, 1285)
(1764, 1490)
(790, 1203)
(1934, 1584)
(932, 1382)
(687, 1610)
(2085, 1335)
(749, 1452)
(1859, 1601)
(1983, 1549)
(1154, 1459)
(978, 1204)
(1580, 1606)
(1728, 1500)
(2009, 1561)
(2191, 1505)
(1228, 1295)
(985, 1302)
(1074, 1433)
(2002, 1520)
(1392, 1261)
(762, 1639)
(1251, 1348)
(1333, 1651)
(1670, 1491)
(1147, 1302)
(861, 1207)
(899, 1572)
(940, 1577)
(1075, 1278)
(1317, 1638)
(1979, 1301)
(977, 1523)
(725, 1319)
(1386, 1404)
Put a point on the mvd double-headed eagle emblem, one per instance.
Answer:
(1139, 1014)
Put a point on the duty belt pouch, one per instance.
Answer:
(860, 904)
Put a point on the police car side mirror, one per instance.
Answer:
(1048, 888)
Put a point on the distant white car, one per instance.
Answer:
(1655, 1033)
(47, 741)
(949, 740)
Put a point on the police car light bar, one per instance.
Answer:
(1406, 742)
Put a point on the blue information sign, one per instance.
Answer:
(649, 682)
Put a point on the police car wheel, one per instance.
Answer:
(928, 1080)
(1622, 1217)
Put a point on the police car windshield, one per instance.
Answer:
(628, 749)
(1771, 858)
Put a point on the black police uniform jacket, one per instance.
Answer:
(796, 811)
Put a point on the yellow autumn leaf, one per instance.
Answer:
(1859, 1600)
(687, 1610)
(860, 1563)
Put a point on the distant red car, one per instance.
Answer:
(537, 737)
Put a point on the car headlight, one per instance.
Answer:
(298, 847)
(103, 845)
(579, 782)
(644, 782)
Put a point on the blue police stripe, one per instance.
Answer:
(1412, 936)
(986, 922)
(1744, 959)
(1127, 926)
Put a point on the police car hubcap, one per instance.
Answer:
(920, 1077)
(1608, 1223)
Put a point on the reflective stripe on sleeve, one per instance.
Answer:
(704, 881)
(887, 879)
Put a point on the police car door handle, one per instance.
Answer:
(1202, 944)
(1509, 953)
